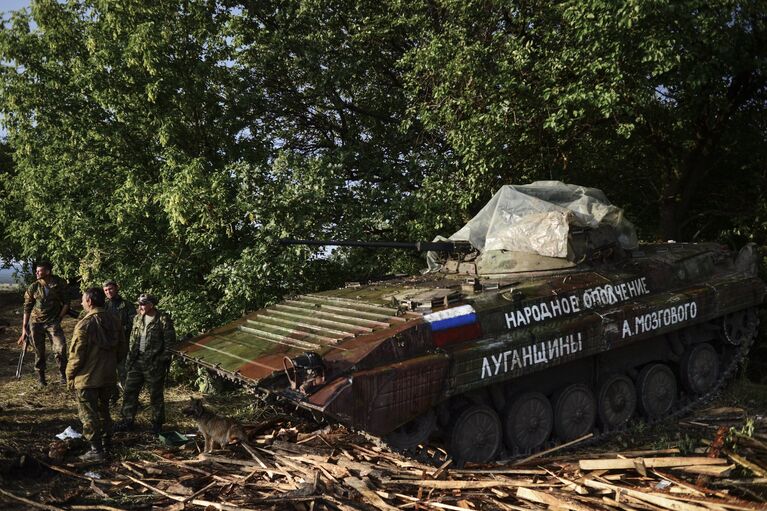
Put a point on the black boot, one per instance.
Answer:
(41, 379)
(96, 453)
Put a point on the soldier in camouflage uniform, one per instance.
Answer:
(148, 361)
(125, 311)
(91, 371)
(45, 304)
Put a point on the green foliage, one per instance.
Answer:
(171, 144)
(8, 248)
(746, 430)
(119, 129)
(651, 101)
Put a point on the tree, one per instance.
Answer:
(126, 143)
(8, 249)
(658, 96)
(330, 73)
(171, 144)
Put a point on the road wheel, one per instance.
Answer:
(575, 412)
(616, 401)
(413, 433)
(528, 422)
(656, 389)
(475, 435)
(699, 368)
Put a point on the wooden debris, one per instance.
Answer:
(502, 471)
(29, 502)
(94, 507)
(753, 443)
(198, 492)
(743, 462)
(569, 485)
(656, 499)
(332, 469)
(714, 451)
(554, 449)
(368, 494)
(710, 470)
(466, 485)
(551, 499)
(384, 480)
(632, 463)
(742, 482)
(76, 475)
(204, 503)
(641, 453)
(441, 470)
(694, 489)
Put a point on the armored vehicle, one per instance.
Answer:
(540, 322)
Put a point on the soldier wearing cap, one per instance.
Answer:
(125, 312)
(148, 360)
(45, 304)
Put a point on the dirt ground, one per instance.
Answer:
(30, 417)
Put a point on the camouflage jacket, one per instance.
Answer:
(97, 342)
(124, 310)
(160, 335)
(42, 308)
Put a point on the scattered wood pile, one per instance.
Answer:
(335, 469)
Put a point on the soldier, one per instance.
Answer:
(45, 304)
(125, 311)
(148, 362)
(97, 344)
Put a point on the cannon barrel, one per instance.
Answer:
(421, 246)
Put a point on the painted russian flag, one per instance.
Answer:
(453, 325)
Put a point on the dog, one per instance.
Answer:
(214, 428)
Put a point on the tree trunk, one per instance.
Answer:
(669, 223)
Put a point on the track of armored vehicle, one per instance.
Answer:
(504, 354)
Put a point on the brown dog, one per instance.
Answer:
(214, 428)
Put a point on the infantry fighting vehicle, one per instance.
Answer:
(540, 322)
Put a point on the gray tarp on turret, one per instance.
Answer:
(537, 218)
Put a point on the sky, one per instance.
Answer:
(13, 5)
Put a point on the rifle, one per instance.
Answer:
(23, 350)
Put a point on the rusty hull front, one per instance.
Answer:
(380, 400)
(252, 349)
(380, 372)
(383, 367)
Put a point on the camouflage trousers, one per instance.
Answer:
(93, 408)
(122, 374)
(53, 330)
(153, 374)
